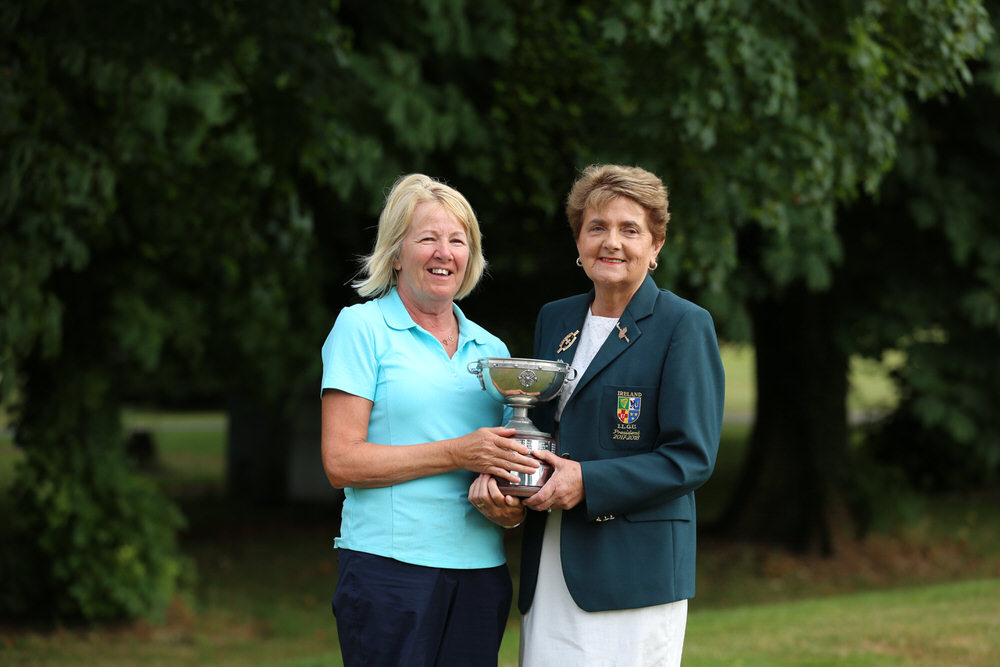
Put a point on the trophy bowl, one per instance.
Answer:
(522, 384)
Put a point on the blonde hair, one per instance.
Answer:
(378, 275)
(599, 184)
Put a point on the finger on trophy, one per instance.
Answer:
(520, 464)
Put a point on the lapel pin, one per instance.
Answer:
(567, 341)
(621, 332)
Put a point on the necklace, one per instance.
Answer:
(450, 338)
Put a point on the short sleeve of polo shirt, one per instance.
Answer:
(349, 353)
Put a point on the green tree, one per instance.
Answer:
(151, 221)
(181, 187)
(937, 294)
(764, 119)
(912, 277)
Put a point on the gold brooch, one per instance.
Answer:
(621, 332)
(568, 341)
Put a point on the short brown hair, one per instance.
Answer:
(599, 184)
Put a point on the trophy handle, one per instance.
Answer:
(570, 376)
(476, 368)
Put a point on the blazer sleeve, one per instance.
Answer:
(689, 414)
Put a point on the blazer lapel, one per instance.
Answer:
(567, 332)
(624, 335)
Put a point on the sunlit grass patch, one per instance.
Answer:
(945, 624)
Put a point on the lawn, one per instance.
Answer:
(944, 624)
(265, 578)
(926, 593)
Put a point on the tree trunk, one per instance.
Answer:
(790, 489)
(257, 451)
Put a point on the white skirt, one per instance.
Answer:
(557, 632)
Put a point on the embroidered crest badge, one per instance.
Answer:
(629, 408)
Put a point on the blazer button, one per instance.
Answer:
(566, 456)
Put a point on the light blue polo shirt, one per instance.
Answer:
(418, 394)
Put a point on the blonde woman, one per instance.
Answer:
(422, 578)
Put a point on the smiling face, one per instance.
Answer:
(432, 258)
(616, 246)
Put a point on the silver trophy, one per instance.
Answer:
(523, 384)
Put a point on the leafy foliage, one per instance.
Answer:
(186, 187)
(102, 541)
(152, 228)
(939, 302)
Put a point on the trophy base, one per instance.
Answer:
(529, 483)
(518, 491)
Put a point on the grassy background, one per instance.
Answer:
(925, 593)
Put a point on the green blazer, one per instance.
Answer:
(644, 422)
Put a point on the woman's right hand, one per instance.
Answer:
(492, 451)
(501, 509)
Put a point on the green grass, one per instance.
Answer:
(945, 624)
(870, 393)
(261, 602)
(194, 464)
(9, 455)
(925, 594)
(193, 444)
(738, 362)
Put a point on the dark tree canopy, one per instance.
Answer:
(938, 299)
(186, 188)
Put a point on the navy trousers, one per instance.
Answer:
(396, 614)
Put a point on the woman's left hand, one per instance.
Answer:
(564, 490)
(501, 509)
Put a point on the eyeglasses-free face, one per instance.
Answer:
(616, 245)
(433, 256)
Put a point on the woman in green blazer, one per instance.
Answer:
(608, 558)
